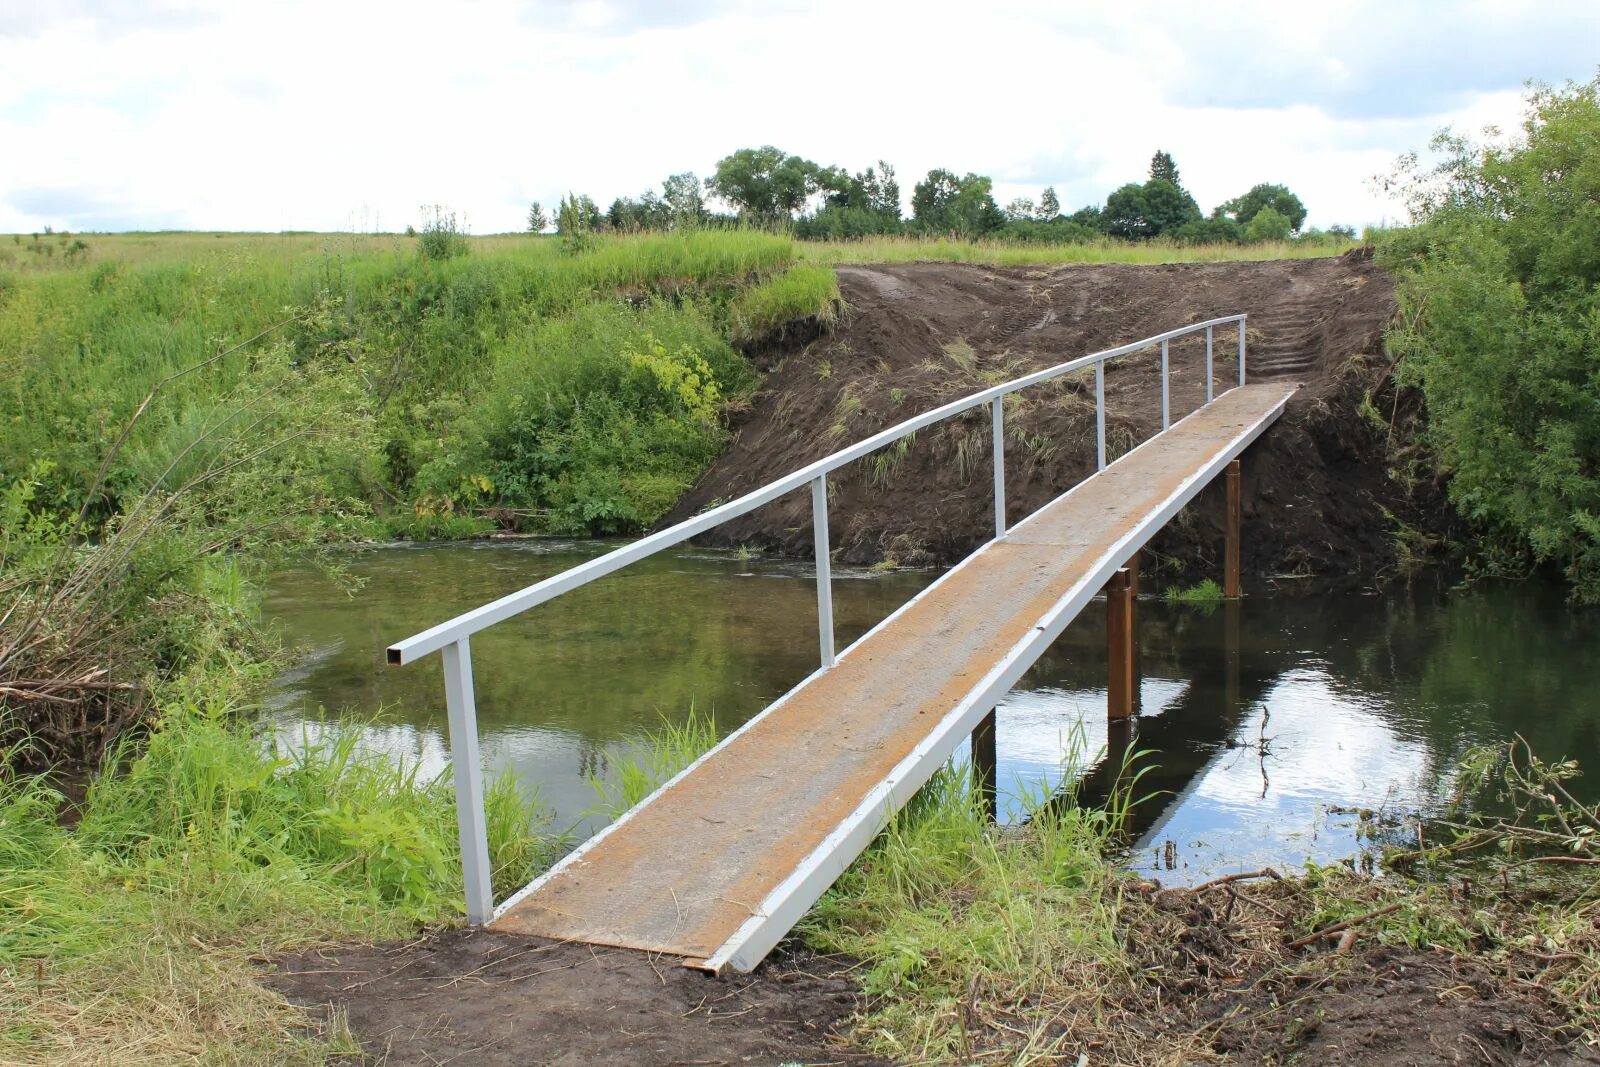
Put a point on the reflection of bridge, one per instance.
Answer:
(1189, 736)
(722, 861)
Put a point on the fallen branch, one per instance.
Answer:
(1265, 872)
(1342, 926)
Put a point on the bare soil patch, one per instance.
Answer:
(1227, 982)
(478, 997)
(1219, 979)
(1325, 490)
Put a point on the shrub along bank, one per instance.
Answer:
(1499, 325)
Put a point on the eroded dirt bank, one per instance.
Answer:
(1325, 490)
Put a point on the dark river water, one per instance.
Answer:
(1262, 719)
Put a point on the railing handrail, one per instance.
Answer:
(452, 638)
(464, 625)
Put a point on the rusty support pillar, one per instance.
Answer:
(985, 770)
(1133, 628)
(1121, 682)
(1230, 554)
(1232, 653)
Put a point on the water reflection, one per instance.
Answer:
(1259, 716)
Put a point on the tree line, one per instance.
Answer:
(770, 188)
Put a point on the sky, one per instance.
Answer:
(331, 115)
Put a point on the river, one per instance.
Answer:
(1263, 722)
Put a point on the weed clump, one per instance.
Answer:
(442, 237)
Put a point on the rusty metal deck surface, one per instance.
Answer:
(684, 872)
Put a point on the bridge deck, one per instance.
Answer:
(721, 863)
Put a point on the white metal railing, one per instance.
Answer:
(451, 638)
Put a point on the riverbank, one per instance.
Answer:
(948, 943)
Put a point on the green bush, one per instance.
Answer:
(364, 363)
(1499, 325)
(596, 422)
(441, 236)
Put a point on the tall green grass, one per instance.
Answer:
(802, 292)
(403, 350)
(136, 935)
(657, 758)
(946, 910)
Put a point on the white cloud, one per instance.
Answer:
(331, 115)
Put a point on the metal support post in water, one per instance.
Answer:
(1100, 413)
(985, 765)
(1133, 628)
(1231, 702)
(1166, 405)
(1209, 387)
(468, 772)
(819, 535)
(999, 469)
(1121, 682)
(1241, 351)
(1230, 552)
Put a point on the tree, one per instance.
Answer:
(1499, 324)
(538, 220)
(576, 221)
(1019, 209)
(943, 203)
(882, 190)
(681, 193)
(765, 184)
(1268, 225)
(1143, 211)
(1244, 208)
(1090, 217)
(1049, 204)
(1163, 169)
(854, 205)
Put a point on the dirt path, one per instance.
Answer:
(1319, 494)
(476, 997)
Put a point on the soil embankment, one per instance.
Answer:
(1322, 492)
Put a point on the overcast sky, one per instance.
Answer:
(336, 116)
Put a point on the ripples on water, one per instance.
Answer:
(1259, 717)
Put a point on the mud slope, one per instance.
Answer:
(1319, 495)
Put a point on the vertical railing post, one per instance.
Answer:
(1208, 364)
(999, 469)
(468, 773)
(1241, 349)
(1166, 405)
(1100, 413)
(819, 536)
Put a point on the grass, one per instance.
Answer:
(138, 935)
(659, 756)
(799, 293)
(382, 359)
(1205, 593)
(944, 911)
